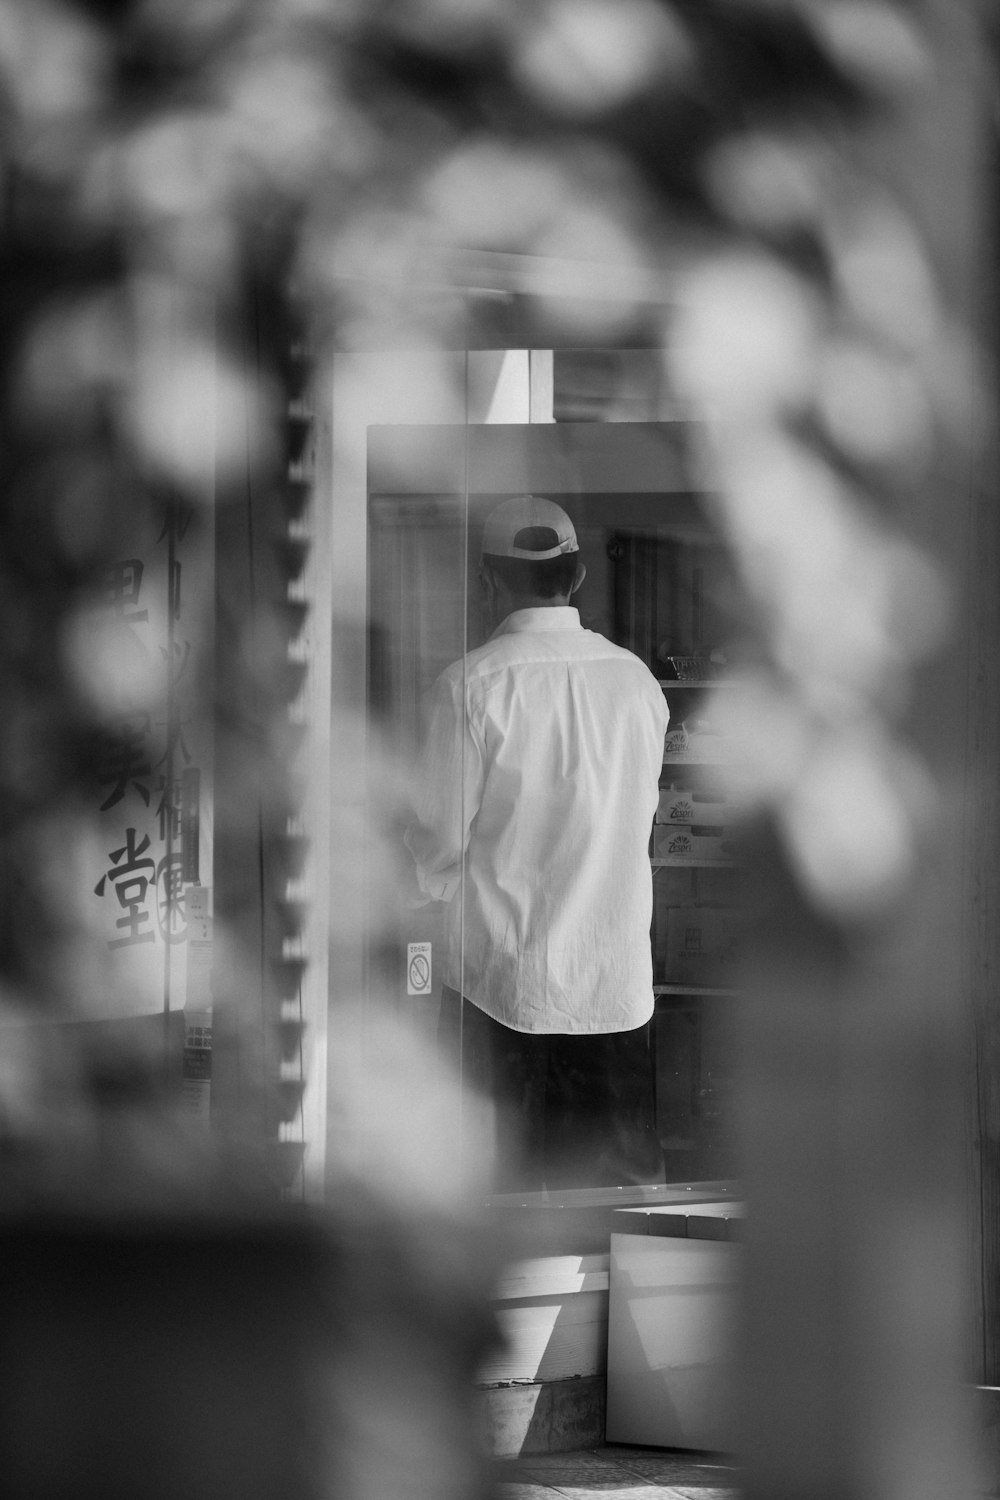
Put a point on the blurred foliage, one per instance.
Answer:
(260, 161)
(184, 184)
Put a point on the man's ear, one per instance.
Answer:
(580, 575)
(488, 584)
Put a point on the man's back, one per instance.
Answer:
(557, 767)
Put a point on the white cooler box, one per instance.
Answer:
(673, 1285)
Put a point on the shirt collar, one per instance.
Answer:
(544, 617)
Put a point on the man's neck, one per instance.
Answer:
(533, 601)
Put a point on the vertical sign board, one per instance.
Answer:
(152, 889)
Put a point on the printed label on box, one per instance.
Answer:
(676, 741)
(692, 840)
(668, 840)
(701, 946)
(675, 806)
(418, 968)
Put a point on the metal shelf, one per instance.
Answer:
(692, 989)
(678, 758)
(692, 861)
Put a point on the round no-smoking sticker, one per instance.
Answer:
(418, 968)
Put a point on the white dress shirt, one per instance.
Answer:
(541, 768)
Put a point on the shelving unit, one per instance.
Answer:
(691, 1026)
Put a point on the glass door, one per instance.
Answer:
(655, 585)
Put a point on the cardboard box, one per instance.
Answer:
(675, 743)
(673, 885)
(676, 805)
(693, 841)
(710, 748)
(701, 946)
(681, 805)
(673, 1315)
(670, 841)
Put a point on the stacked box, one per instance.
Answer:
(671, 841)
(676, 805)
(712, 748)
(681, 805)
(673, 885)
(692, 840)
(701, 946)
(675, 743)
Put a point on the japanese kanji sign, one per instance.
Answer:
(154, 808)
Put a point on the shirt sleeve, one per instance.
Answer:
(447, 791)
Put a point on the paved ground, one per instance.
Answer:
(615, 1473)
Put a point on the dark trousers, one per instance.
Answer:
(572, 1111)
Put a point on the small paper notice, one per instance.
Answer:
(196, 1091)
(197, 913)
(418, 968)
(198, 921)
(199, 973)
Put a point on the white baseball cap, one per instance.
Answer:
(505, 523)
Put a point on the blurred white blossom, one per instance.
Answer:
(493, 194)
(746, 337)
(281, 107)
(875, 41)
(584, 56)
(767, 182)
(186, 163)
(874, 404)
(109, 667)
(853, 820)
(53, 62)
(883, 275)
(78, 348)
(193, 412)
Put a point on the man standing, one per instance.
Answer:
(535, 797)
